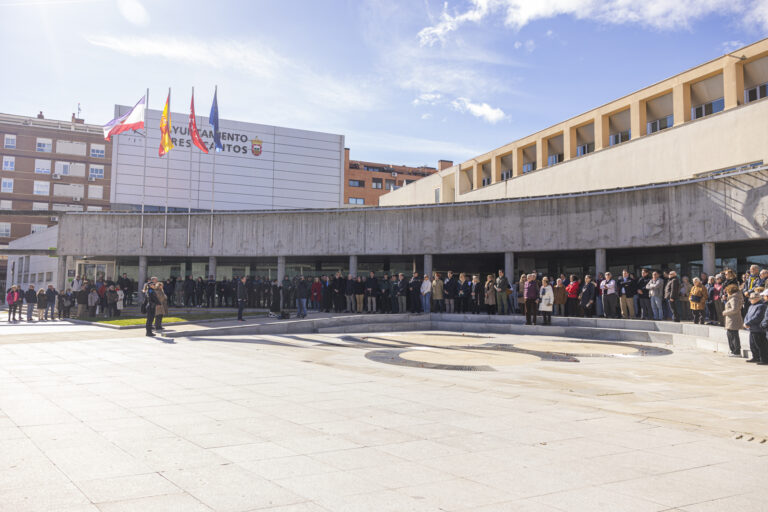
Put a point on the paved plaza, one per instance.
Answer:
(94, 419)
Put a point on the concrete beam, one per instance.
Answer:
(428, 265)
(280, 269)
(600, 262)
(509, 266)
(353, 265)
(212, 266)
(708, 257)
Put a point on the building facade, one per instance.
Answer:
(260, 167)
(706, 119)
(365, 182)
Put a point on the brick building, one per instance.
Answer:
(49, 166)
(365, 182)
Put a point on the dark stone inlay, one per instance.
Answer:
(392, 356)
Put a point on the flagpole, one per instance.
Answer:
(213, 170)
(189, 190)
(167, 172)
(144, 168)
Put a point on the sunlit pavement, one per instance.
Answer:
(95, 419)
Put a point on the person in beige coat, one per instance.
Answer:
(733, 319)
(162, 308)
(438, 295)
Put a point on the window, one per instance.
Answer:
(750, 95)
(36, 228)
(42, 166)
(356, 200)
(6, 204)
(377, 183)
(374, 169)
(9, 141)
(5, 229)
(42, 188)
(96, 171)
(554, 159)
(49, 276)
(505, 175)
(389, 184)
(40, 206)
(408, 182)
(486, 182)
(6, 185)
(32, 278)
(94, 208)
(708, 108)
(95, 191)
(618, 138)
(530, 166)
(356, 183)
(660, 124)
(44, 145)
(97, 150)
(62, 168)
(9, 163)
(582, 150)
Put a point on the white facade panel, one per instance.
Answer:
(257, 162)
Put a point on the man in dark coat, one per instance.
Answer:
(242, 298)
(672, 294)
(414, 291)
(189, 291)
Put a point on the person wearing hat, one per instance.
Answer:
(752, 322)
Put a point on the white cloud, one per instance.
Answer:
(659, 14)
(426, 116)
(381, 142)
(133, 11)
(427, 98)
(481, 110)
(729, 46)
(529, 45)
(285, 77)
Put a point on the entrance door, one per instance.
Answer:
(96, 270)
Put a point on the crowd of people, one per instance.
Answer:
(723, 299)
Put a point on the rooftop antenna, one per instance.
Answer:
(78, 111)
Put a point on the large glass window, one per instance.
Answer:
(96, 172)
(42, 188)
(9, 163)
(6, 204)
(6, 185)
(42, 166)
(377, 183)
(618, 138)
(62, 168)
(9, 141)
(753, 94)
(530, 166)
(584, 149)
(40, 206)
(660, 124)
(554, 159)
(5, 229)
(390, 184)
(708, 108)
(505, 175)
(356, 200)
(97, 150)
(356, 183)
(44, 145)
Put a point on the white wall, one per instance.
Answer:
(36, 264)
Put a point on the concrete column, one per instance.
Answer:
(637, 113)
(602, 131)
(495, 169)
(518, 163)
(569, 143)
(477, 175)
(428, 265)
(142, 277)
(61, 276)
(681, 103)
(708, 256)
(212, 266)
(353, 265)
(600, 263)
(509, 266)
(541, 153)
(280, 268)
(733, 83)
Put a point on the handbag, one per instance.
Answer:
(695, 298)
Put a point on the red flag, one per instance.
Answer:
(193, 133)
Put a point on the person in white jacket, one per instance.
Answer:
(120, 300)
(426, 294)
(546, 301)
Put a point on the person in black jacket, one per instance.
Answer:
(371, 292)
(338, 288)
(672, 294)
(463, 294)
(302, 294)
(51, 295)
(642, 292)
(477, 295)
(626, 290)
(31, 297)
(210, 292)
(242, 298)
(150, 303)
(414, 292)
(275, 296)
(450, 290)
(199, 292)
(587, 297)
(189, 291)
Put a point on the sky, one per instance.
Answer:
(405, 81)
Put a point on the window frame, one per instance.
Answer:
(12, 160)
(94, 151)
(6, 138)
(357, 200)
(3, 181)
(2, 226)
(42, 170)
(35, 184)
(38, 145)
(96, 176)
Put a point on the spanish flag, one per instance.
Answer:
(165, 127)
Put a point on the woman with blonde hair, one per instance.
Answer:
(697, 298)
(546, 301)
(162, 306)
(490, 295)
(732, 316)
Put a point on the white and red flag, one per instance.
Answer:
(132, 120)
(193, 133)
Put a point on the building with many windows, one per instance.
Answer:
(365, 182)
(706, 119)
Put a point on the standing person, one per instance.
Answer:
(51, 295)
(315, 293)
(31, 297)
(697, 297)
(438, 293)
(385, 291)
(275, 295)
(414, 290)
(572, 289)
(463, 294)
(426, 294)
(189, 291)
(684, 305)
(560, 298)
(588, 297)
(402, 294)
(339, 287)
(77, 283)
(93, 301)
(609, 297)
(170, 291)
(450, 291)
(477, 295)
(242, 296)
(120, 300)
(66, 301)
(81, 298)
(672, 294)
(393, 297)
(547, 301)
(757, 339)
(359, 290)
(599, 306)
(349, 294)
(490, 295)
(161, 310)
(14, 300)
(199, 292)
(42, 305)
(531, 295)
(655, 289)
(371, 291)
(627, 290)
(716, 301)
(643, 299)
(210, 292)
(302, 294)
(502, 287)
(111, 297)
(149, 307)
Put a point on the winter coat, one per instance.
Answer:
(732, 312)
(587, 294)
(490, 294)
(655, 288)
(42, 299)
(672, 289)
(547, 298)
(701, 292)
(437, 289)
(755, 316)
(162, 302)
(560, 294)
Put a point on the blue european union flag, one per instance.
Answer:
(213, 120)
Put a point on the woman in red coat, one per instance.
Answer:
(572, 303)
(315, 294)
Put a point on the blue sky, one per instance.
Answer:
(407, 82)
